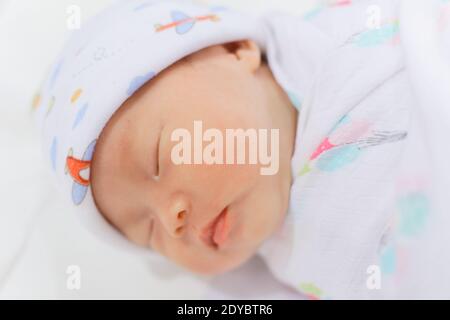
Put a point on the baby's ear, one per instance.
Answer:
(247, 52)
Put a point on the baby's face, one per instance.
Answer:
(172, 208)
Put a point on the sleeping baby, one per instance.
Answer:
(208, 136)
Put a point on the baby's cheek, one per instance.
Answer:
(138, 234)
(229, 183)
(243, 176)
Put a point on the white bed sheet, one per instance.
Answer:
(39, 238)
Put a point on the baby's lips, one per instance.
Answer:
(207, 234)
(221, 229)
(216, 232)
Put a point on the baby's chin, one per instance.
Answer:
(220, 264)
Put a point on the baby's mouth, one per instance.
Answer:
(216, 232)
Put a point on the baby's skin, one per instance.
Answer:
(172, 208)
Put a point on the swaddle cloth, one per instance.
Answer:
(103, 64)
(368, 214)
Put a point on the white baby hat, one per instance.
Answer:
(103, 64)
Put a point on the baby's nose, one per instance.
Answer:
(175, 218)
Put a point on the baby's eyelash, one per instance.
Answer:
(156, 175)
